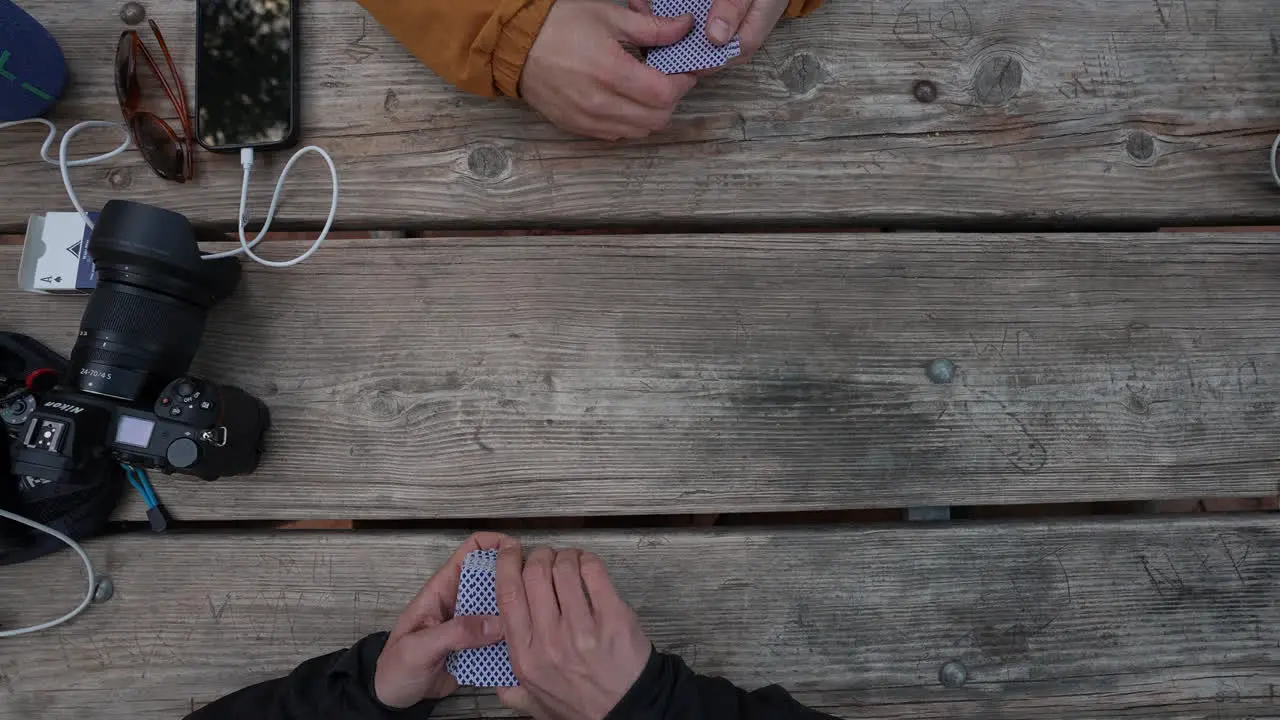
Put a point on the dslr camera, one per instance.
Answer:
(126, 395)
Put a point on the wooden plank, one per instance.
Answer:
(1131, 619)
(1047, 112)
(697, 374)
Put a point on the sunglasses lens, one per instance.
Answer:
(126, 73)
(159, 146)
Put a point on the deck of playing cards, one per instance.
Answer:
(695, 52)
(478, 595)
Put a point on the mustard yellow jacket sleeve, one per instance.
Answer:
(479, 45)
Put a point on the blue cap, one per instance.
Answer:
(33, 72)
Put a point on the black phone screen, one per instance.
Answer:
(245, 73)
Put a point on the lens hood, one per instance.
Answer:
(138, 244)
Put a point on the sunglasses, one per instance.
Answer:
(170, 154)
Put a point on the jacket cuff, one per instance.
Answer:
(514, 43)
(652, 690)
(362, 664)
(799, 8)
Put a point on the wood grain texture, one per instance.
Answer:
(1153, 112)
(696, 374)
(1130, 619)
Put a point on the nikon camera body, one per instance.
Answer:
(127, 395)
(190, 426)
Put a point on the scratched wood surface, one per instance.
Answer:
(1139, 618)
(579, 376)
(1154, 112)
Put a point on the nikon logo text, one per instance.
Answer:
(64, 407)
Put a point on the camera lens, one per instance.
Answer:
(130, 333)
(144, 322)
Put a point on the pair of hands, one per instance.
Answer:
(576, 646)
(579, 75)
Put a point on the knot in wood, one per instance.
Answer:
(1140, 146)
(384, 405)
(803, 73)
(119, 178)
(999, 78)
(488, 162)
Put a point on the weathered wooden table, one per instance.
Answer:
(739, 366)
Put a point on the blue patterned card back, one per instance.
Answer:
(695, 52)
(477, 595)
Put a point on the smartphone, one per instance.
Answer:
(247, 74)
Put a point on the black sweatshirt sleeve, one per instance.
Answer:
(338, 686)
(669, 690)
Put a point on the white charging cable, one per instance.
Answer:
(1275, 150)
(88, 569)
(246, 247)
(62, 162)
(246, 161)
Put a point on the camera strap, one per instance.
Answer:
(79, 509)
